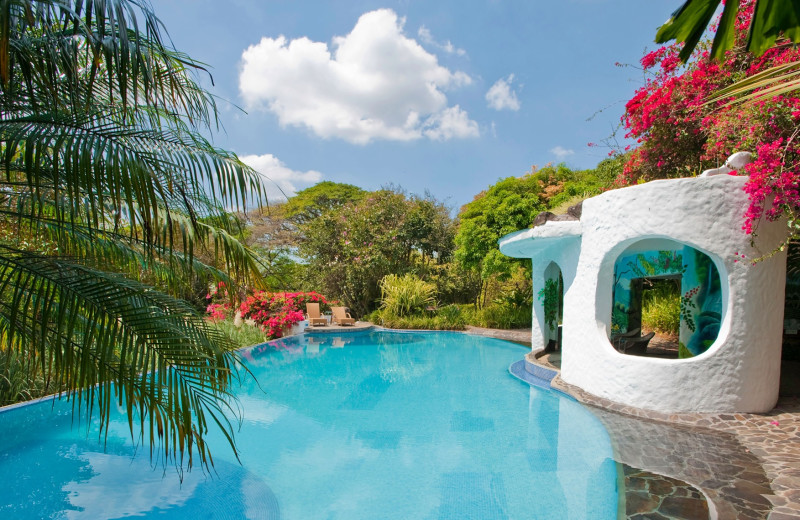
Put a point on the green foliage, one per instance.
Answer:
(496, 316)
(454, 283)
(512, 204)
(406, 295)
(348, 250)
(683, 352)
(449, 317)
(550, 296)
(18, 382)
(312, 202)
(770, 19)
(104, 164)
(243, 335)
(507, 206)
(661, 307)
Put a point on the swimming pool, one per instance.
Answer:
(369, 425)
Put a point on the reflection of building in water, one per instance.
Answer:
(312, 345)
(568, 449)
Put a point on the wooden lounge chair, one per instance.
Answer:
(313, 315)
(341, 316)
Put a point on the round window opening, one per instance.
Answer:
(667, 300)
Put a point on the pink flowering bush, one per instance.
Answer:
(680, 133)
(273, 313)
(219, 307)
(276, 312)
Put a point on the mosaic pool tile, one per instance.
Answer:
(367, 394)
(467, 422)
(472, 496)
(380, 440)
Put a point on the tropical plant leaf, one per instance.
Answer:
(771, 19)
(101, 160)
(109, 339)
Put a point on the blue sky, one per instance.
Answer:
(444, 96)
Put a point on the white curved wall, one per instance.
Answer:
(741, 370)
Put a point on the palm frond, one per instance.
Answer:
(773, 81)
(772, 19)
(109, 339)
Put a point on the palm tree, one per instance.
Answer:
(104, 172)
(771, 18)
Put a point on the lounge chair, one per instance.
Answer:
(617, 339)
(341, 316)
(636, 346)
(313, 315)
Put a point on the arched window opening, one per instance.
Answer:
(552, 299)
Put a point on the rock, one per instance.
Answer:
(739, 160)
(542, 218)
(716, 171)
(576, 210)
(547, 216)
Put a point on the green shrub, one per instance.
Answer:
(16, 383)
(406, 295)
(661, 308)
(446, 318)
(244, 335)
(498, 316)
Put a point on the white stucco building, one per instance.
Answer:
(739, 370)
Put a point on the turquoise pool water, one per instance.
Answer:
(372, 425)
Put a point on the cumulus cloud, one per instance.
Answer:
(374, 83)
(450, 123)
(501, 97)
(561, 152)
(425, 35)
(281, 181)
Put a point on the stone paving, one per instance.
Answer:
(516, 335)
(336, 329)
(656, 497)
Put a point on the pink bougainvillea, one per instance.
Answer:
(273, 312)
(680, 133)
(276, 312)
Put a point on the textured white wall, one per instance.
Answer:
(741, 370)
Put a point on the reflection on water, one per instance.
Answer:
(712, 461)
(430, 426)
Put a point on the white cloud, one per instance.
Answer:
(451, 122)
(561, 152)
(500, 96)
(425, 35)
(374, 83)
(281, 181)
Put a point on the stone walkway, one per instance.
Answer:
(516, 335)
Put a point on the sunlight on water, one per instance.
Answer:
(373, 425)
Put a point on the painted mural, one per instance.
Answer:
(700, 288)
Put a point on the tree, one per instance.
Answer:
(348, 250)
(312, 202)
(103, 162)
(508, 206)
